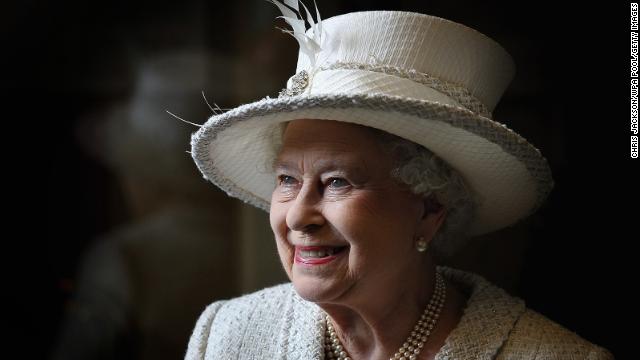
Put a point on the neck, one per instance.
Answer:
(376, 325)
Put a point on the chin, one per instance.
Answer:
(315, 290)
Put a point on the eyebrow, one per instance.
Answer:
(322, 165)
(282, 166)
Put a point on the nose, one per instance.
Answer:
(304, 214)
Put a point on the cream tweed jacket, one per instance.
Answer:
(275, 323)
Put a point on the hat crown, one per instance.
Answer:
(427, 44)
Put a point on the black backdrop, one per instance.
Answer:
(63, 59)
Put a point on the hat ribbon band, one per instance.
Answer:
(354, 77)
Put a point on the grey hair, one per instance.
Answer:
(429, 176)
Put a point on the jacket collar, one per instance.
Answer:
(488, 318)
(304, 339)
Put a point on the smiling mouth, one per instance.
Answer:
(317, 255)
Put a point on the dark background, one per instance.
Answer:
(64, 60)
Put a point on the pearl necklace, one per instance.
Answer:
(414, 343)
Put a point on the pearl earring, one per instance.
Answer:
(421, 244)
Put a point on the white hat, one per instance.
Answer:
(423, 78)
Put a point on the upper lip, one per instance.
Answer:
(309, 243)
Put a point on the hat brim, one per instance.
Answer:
(509, 177)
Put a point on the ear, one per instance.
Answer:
(433, 217)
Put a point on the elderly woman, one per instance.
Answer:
(378, 158)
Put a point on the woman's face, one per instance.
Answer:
(343, 226)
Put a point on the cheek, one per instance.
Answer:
(376, 211)
(277, 219)
(358, 220)
(378, 223)
(274, 219)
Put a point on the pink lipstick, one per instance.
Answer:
(316, 255)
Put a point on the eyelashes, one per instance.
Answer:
(286, 180)
(337, 183)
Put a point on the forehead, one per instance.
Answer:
(328, 134)
(329, 142)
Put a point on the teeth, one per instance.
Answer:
(317, 253)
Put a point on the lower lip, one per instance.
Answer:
(316, 261)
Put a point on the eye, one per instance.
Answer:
(338, 183)
(286, 180)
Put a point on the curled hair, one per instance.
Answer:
(428, 175)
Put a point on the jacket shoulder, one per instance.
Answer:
(223, 324)
(536, 337)
(198, 341)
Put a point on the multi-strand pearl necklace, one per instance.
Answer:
(414, 343)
